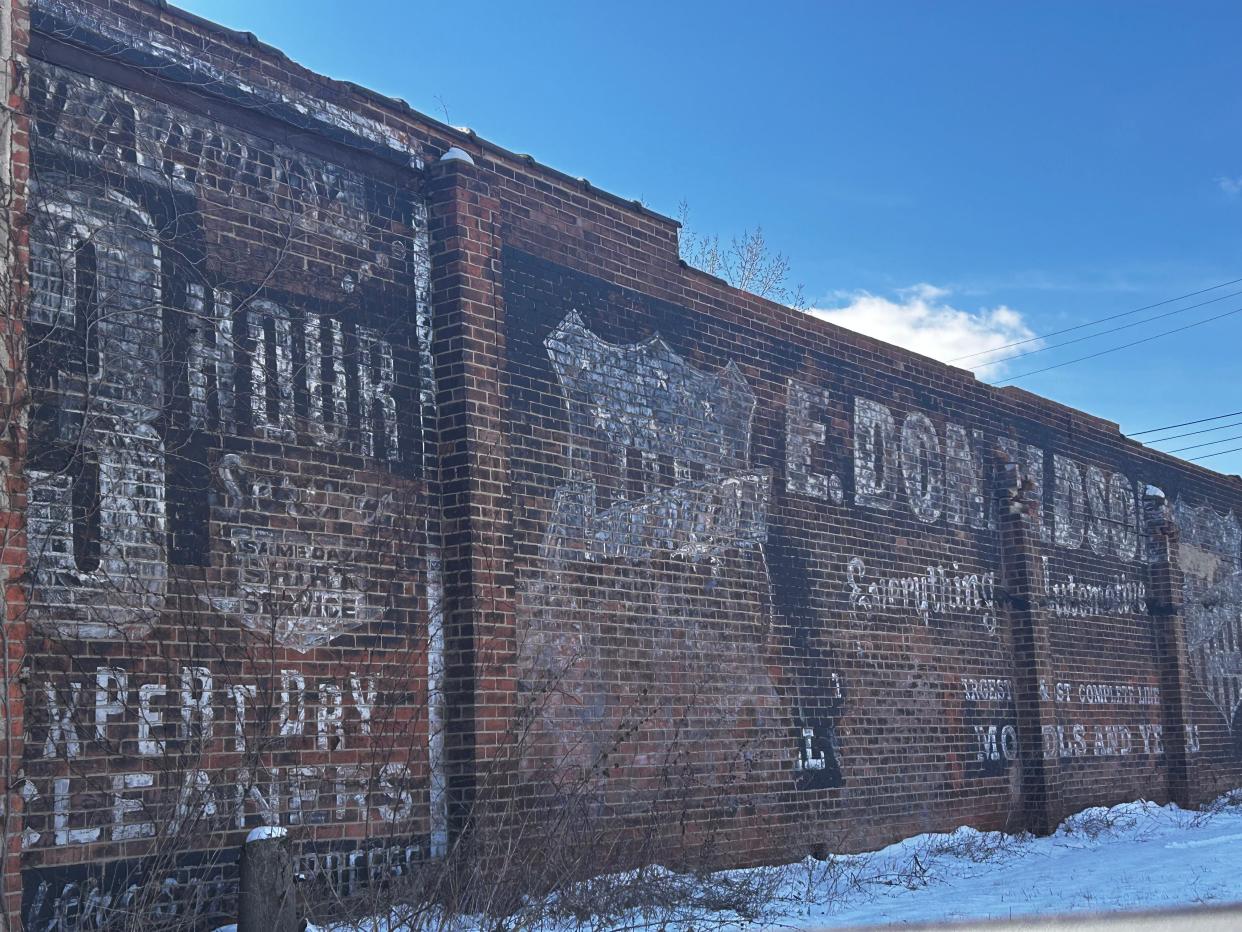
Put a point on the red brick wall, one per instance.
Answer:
(234, 540)
(14, 146)
(630, 557)
(889, 610)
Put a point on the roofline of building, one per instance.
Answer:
(461, 135)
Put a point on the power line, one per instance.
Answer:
(1195, 459)
(1202, 420)
(1102, 333)
(1115, 349)
(1092, 323)
(1191, 433)
(1210, 443)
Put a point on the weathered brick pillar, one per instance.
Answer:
(1034, 676)
(14, 401)
(1164, 603)
(479, 604)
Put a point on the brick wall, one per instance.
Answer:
(405, 501)
(230, 517)
(14, 167)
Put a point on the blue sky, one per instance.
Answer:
(953, 175)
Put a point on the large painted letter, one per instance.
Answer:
(802, 436)
(1069, 508)
(922, 467)
(875, 455)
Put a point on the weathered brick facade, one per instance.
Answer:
(399, 497)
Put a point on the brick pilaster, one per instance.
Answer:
(1033, 673)
(1164, 603)
(479, 598)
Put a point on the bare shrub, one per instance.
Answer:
(746, 262)
(978, 847)
(1096, 822)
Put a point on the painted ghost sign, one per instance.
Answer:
(660, 499)
(299, 586)
(1210, 554)
(659, 451)
(140, 364)
(229, 370)
(97, 512)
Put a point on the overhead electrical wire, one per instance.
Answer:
(1092, 323)
(1195, 459)
(1192, 433)
(1202, 420)
(1210, 443)
(1115, 349)
(1133, 323)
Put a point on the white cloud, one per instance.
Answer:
(920, 319)
(1231, 186)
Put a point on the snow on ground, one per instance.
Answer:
(1132, 856)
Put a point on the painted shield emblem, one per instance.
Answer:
(289, 575)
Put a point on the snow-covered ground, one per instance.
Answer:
(1132, 856)
(1129, 857)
